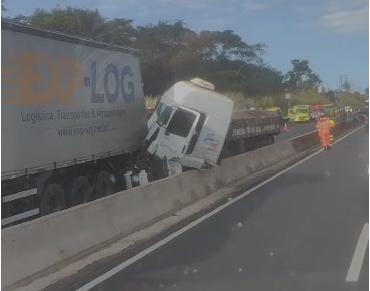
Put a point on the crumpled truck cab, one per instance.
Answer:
(190, 124)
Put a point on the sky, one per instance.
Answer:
(333, 35)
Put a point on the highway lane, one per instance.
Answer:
(298, 232)
(294, 130)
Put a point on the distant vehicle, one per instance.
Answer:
(363, 115)
(299, 113)
(363, 110)
(316, 111)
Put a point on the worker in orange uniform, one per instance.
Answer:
(332, 128)
(323, 127)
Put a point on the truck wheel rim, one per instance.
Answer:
(81, 191)
(53, 199)
(105, 184)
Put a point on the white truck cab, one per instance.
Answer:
(190, 124)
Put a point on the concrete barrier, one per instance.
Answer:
(33, 246)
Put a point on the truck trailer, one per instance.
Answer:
(73, 115)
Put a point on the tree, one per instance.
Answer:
(3, 8)
(226, 45)
(346, 86)
(82, 22)
(119, 31)
(217, 56)
(301, 76)
(163, 52)
(331, 95)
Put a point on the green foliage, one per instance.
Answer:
(309, 97)
(331, 95)
(165, 56)
(87, 23)
(226, 45)
(301, 76)
(82, 22)
(350, 99)
(241, 101)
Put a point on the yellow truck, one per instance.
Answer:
(299, 113)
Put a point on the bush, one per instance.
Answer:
(241, 101)
(350, 99)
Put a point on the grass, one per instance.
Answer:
(309, 97)
(241, 101)
(350, 99)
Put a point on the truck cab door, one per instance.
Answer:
(178, 133)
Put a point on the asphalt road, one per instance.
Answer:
(297, 232)
(294, 130)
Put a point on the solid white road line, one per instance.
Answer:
(358, 256)
(298, 136)
(177, 233)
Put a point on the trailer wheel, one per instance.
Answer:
(105, 184)
(53, 199)
(81, 191)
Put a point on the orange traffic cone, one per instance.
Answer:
(285, 127)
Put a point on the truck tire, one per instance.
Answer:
(53, 199)
(81, 191)
(105, 184)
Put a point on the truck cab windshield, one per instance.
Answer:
(181, 123)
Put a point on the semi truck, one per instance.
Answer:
(74, 125)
